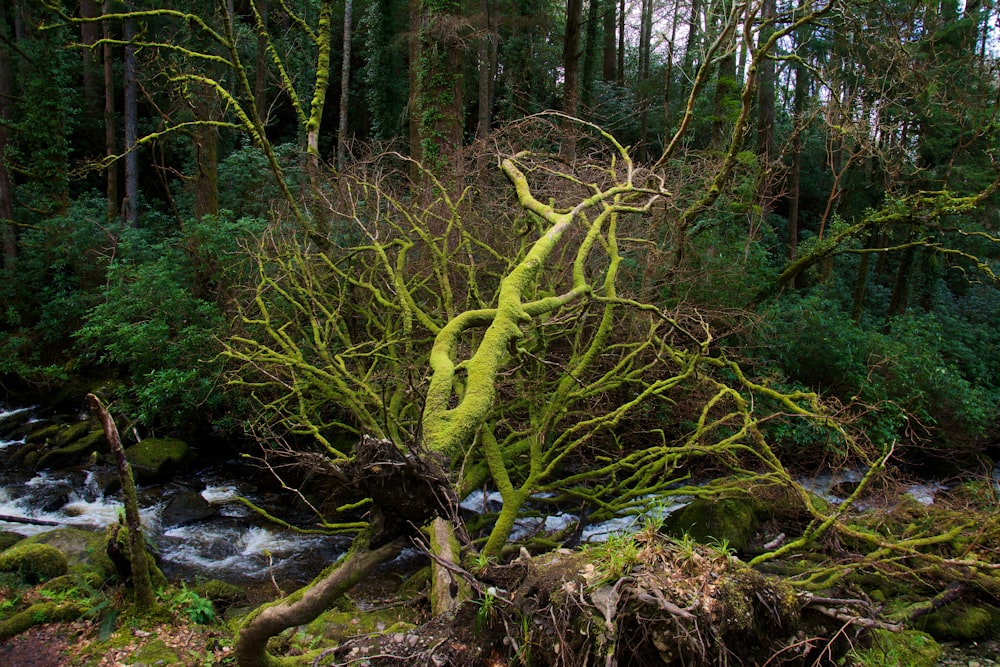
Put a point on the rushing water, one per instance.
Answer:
(231, 544)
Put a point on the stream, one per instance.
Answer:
(223, 539)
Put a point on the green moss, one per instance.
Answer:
(79, 449)
(958, 621)
(338, 625)
(45, 612)
(731, 520)
(35, 562)
(9, 539)
(890, 649)
(82, 548)
(155, 458)
(221, 594)
(155, 652)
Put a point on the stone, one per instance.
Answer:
(155, 459)
(184, 508)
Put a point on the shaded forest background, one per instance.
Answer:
(830, 170)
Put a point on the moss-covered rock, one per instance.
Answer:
(958, 621)
(729, 520)
(9, 539)
(45, 612)
(155, 459)
(74, 452)
(222, 594)
(78, 545)
(890, 649)
(155, 652)
(35, 562)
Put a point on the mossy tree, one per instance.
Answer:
(545, 380)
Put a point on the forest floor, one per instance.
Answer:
(75, 645)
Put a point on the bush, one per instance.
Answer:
(913, 372)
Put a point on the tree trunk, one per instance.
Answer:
(795, 177)
(141, 579)
(571, 68)
(609, 60)
(589, 57)
(901, 290)
(621, 43)
(414, 94)
(487, 69)
(260, 68)
(89, 32)
(322, 81)
(439, 89)
(303, 606)
(206, 159)
(345, 89)
(110, 143)
(7, 229)
(131, 127)
(645, 39)
(765, 107)
(725, 90)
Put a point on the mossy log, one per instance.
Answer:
(305, 604)
(36, 614)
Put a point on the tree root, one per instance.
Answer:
(307, 603)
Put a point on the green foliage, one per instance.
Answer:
(197, 608)
(159, 314)
(913, 375)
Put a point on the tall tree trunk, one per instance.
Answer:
(345, 89)
(313, 125)
(901, 289)
(861, 282)
(260, 67)
(206, 158)
(89, 33)
(131, 127)
(621, 43)
(609, 60)
(590, 53)
(725, 90)
(765, 107)
(414, 91)
(795, 177)
(487, 68)
(669, 74)
(110, 132)
(571, 71)
(439, 88)
(645, 39)
(8, 236)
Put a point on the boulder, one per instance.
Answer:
(155, 459)
(35, 562)
(90, 442)
(184, 508)
(724, 520)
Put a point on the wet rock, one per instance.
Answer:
(184, 508)
(90, 443)
(958, 621)
(155, 459)
(727, 520)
